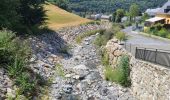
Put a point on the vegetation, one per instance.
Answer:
(121, 73)
(60, 3)
(22, 16)
(120, 36)
(158, 30)
(110, 6)
(14, 56)
(134, 11)
(59, 70)
(106, 35)
(80, 37)
(103, 38)
(118, 15)
(58, 18)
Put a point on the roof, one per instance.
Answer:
(105, 17)
(152, 12)
(164, 7)
(155, 19)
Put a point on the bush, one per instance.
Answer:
(80, 37)
(121, 73)
(103, 38)
(26, 85)
(127, 23)
(124, 65)
(120, 36)
(16, 67)
(113, 75)
(163, 33)
(105, 58)
(14, 57)
(168, 36)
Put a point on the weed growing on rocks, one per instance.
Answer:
(14, 57)
(80, 37)
(119, 74)
(59, 70)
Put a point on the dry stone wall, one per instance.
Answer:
(149, 81)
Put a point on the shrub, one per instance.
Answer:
(16, 67)
(14, 56)
(120, 36)
(163, 32)
(105, 58)
(168, 36)
(121, 73)
(124, 65)
(27, 86)
(6, 46)
(103, 38)
(80, 37)
(113, 75)
(127, 23)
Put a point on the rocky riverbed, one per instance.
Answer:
(83, 78)
(76, 73)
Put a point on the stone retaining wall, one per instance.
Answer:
(149, 81)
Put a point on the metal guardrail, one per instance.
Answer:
(156, 56)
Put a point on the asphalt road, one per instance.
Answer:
(141, 41)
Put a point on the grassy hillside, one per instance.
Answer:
(58, 18)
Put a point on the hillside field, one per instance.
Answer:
(59, 18)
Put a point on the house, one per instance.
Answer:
(95, 17)
(162, 16)
(106, 18)
(152, 12)
(124, 19)
(101, 17)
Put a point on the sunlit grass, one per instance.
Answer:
(58, 18)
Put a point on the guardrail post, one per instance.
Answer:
(136, 52)
(156, 55)
(130, 47)
(144, 54)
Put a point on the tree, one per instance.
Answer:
(60, 3)
(8, 15)
(145, 16)
(114, 17)
(21, 16)
(32, 12)
(134, 11)
(119, 14)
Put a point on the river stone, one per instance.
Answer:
(67, 89)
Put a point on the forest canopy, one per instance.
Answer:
(109, 6)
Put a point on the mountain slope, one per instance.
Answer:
(58, 18)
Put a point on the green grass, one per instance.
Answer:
(120, 74)
(80, 37)
(59, 70)
(14, 55)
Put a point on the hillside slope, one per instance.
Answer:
(109, 6)
(58, 18)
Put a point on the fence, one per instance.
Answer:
(156, 56)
